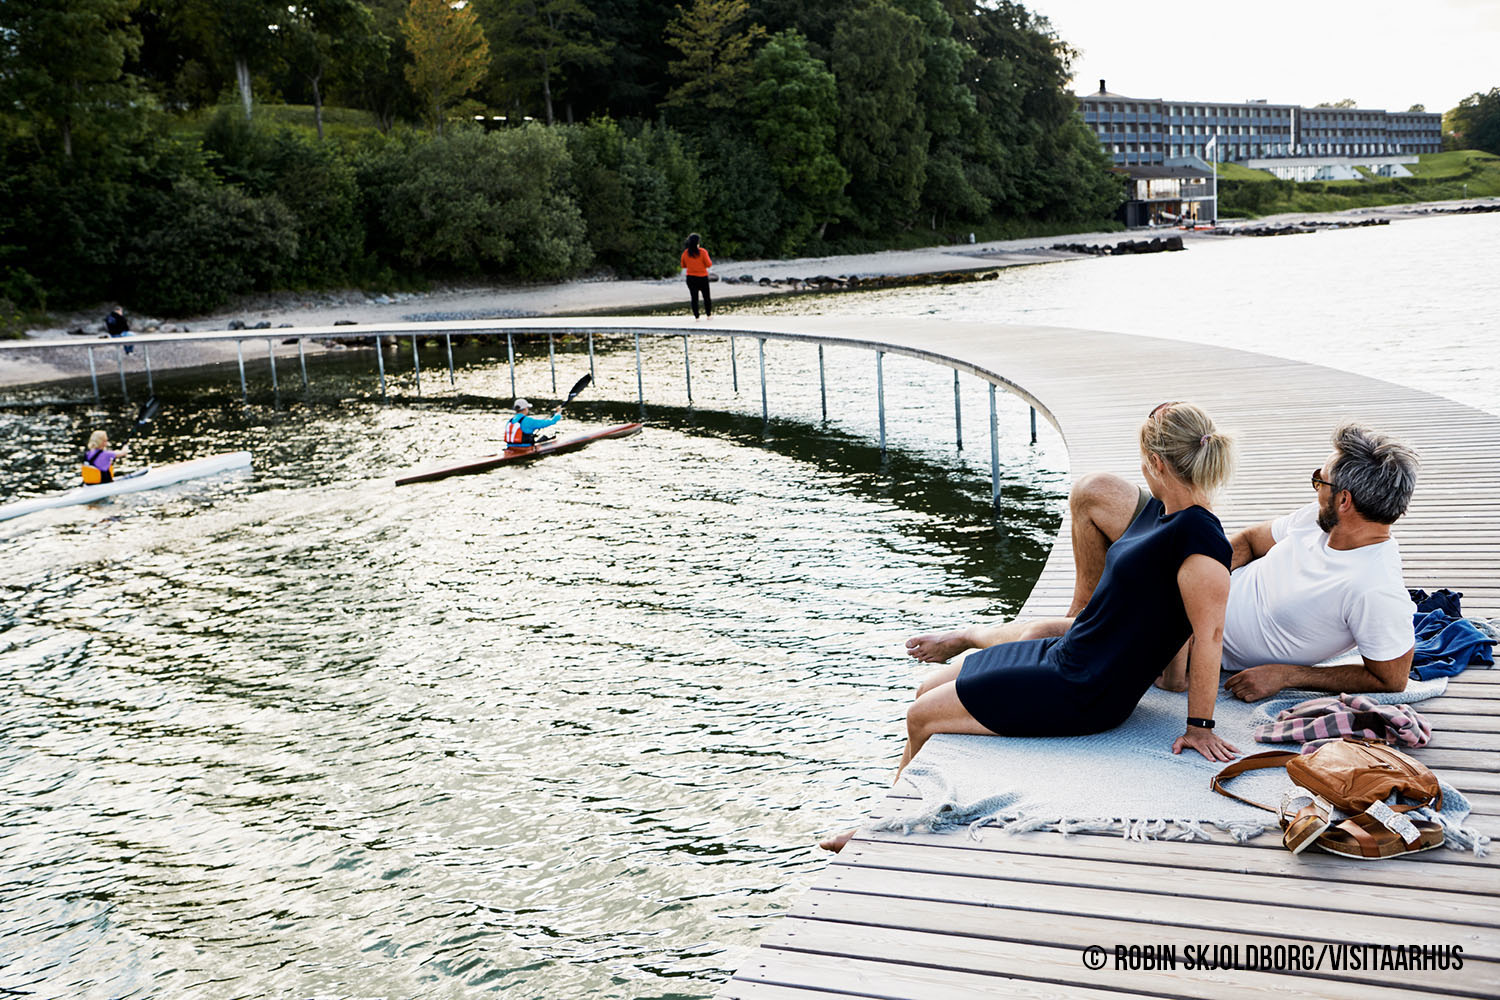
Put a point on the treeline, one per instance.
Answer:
(608, 130)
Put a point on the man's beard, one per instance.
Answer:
(1328, 515)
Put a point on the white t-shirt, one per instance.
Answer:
(1303, 602)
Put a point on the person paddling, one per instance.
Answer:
(99, 460)
(520, 431)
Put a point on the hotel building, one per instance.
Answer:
(1292, 142)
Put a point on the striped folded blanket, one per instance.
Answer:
(1346, 715)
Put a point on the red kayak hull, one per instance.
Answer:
(507, 457)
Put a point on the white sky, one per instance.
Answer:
(1383, 54)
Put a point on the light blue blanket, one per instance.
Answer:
(1126, 780)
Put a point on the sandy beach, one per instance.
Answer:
(738, 279)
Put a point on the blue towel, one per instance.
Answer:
(1446, 645)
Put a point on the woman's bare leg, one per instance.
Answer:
(940, 647)
(936, 710)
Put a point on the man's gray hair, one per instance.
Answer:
(1378, 471)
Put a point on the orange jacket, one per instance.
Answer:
(696, 267)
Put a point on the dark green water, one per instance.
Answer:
(564, 730)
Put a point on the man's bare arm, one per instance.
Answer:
(1371, 675)
(1250, 544)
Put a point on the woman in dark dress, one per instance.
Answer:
(1165, 580)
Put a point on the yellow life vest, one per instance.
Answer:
(92, 474)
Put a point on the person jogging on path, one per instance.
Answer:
(520, 430)
(696, 262)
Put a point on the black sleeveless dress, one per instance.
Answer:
(1091, 679)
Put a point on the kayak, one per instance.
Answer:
(150, 478)
(518, 455)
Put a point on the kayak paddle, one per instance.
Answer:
(148, 413)
(578, 387)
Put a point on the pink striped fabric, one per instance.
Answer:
(1347, 715)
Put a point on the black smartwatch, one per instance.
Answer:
(1201, 723)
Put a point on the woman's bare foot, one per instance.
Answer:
(938, 647)
(837, 841)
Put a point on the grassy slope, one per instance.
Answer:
(1464, 173)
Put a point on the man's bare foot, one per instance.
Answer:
(1171, 683)
(837, 841)
(937, 647)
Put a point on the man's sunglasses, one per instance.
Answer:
(1318, 480)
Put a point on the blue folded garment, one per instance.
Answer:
(1446, 645)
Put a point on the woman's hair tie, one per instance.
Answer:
(1203, 440)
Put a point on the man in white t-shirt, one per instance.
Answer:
(1305, 587)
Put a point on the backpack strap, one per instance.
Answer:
(1255, 762)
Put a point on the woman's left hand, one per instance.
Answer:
(1206, 742)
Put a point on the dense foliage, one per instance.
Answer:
(1475, 123)
(141, 157)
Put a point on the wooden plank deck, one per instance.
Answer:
(945, 916)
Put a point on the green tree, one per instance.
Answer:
(61, 69)
(716, 54)
(877, 60)
(639, 191)
(449, 54)
(236, 30)
(1476, 121)
(475, 203)
(537, 42)
(948, 114)
(1347, 102)
(794, 101)
(323, 37)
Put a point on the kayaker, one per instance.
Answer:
(99, 460)
(520, 432)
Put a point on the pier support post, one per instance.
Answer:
(510, 354)
(1033, 425)
(822, 384)
(880, 394)
(150, 383)
(94, 374)
(765, 410)
(552, 361)
(687, 369)
(416, 364)
(640, 385)
(239, 353)
(120, 356)
(734, 367)
(994, 452)
(302, 360)
(448, 339)
(591, 355)
(271, 357)
(958, 414)
(380, 360)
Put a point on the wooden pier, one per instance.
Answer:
(1010, 915)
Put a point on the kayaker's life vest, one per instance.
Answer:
(92, 474)
(515, 437)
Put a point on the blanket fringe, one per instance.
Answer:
(1126, 827)
(1457, 837)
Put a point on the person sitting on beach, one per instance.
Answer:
(520, 430)
(116, 325)
(99, 460)
(1306, 587)
(1165, 579)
